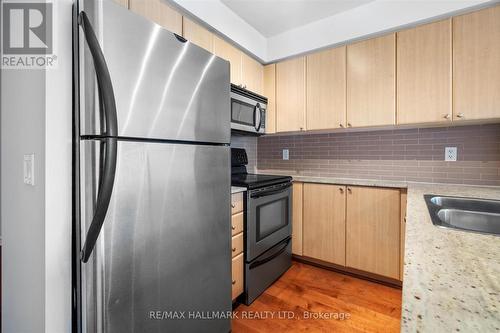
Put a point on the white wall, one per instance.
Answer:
(23, 206)
(58, 164)
(36, 220)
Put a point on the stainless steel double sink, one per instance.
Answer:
(468, 214)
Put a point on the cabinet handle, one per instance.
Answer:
(233, 227)
(341, 190)
(234, 282)
(301, 128)
(447, 116)
(349, 125)
(234, 249)
(460, 115)
(233, 205)
(349, 190)
(341, 125)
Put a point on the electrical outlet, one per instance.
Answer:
(286, 154)
(450, 154)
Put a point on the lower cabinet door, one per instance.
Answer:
(324, 223)
(372, 230)
(237, 275)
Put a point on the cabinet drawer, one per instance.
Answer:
(237, 244)
(237, 275)
(236, 223)
(236, 203)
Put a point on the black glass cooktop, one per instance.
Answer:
(251, 181)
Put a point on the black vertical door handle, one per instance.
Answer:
(108, 107)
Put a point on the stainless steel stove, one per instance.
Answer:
(268, 225)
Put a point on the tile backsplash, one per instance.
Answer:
(250, 145)
(400, 154)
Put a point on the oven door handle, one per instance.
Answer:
(270, 192)
(260, 262)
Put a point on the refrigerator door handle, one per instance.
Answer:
(108, 106)
(103, 197)
(105, 86)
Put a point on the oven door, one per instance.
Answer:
(247, 114)
(269, 216)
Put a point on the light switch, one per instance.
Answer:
(29, 169)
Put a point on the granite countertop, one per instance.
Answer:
(237, 189)
(451, 278)
(338, 181)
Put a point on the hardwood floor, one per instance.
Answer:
(304, 289)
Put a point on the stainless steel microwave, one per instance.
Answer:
(248, 111)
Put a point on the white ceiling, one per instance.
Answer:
(272, 17)
(272, 30)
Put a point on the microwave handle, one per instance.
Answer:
(257, 110)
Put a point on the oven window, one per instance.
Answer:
(242, 113)
(271, 216)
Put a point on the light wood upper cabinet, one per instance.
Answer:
(230, 53)
(270, 93)
(252, 74)
(297, 218)
(371, 82)
(372, 230)
(160, 12)
(424, 62)
(291, 95)
(326, 89)
(324, 223)
(198, 35)
(476, 65)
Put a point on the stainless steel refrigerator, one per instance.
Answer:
(151, 177)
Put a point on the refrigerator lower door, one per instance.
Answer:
(164, 87)
(162, 261)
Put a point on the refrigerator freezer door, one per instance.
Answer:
(164, 87)
(162, 261)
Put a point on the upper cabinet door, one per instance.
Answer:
(198, 35)
(159, 12)
(326, 89)
(291, 95)
(424, 74)
(252, 74)
(476, 60)
(371, 82)
(270, 93)
(227, 51)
